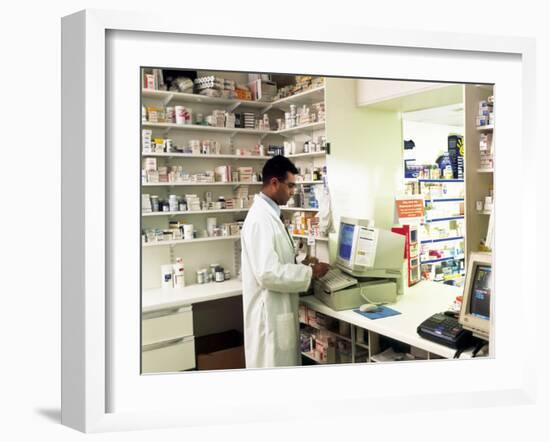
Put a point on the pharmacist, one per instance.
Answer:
(271, 277)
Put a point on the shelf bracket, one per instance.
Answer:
(266, 109)
(168, 99)
(234, 106)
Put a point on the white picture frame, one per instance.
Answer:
(86, 317)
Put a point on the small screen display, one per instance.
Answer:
(480, 298)
(346, 241)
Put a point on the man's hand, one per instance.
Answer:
(320, 269)
(308, 260)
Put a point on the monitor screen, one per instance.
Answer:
(346, 241)
(480, 297)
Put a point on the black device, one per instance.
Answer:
(445, 329)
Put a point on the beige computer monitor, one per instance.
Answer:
(475, 313)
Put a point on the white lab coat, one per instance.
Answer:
(271, 283)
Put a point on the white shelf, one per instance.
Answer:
(189, 155)
(485, 212)
(488, 127)
(189, 241)
(233, 183)
(309, 182)
(158, 298)
(310, 356)
(198, 127)
(485, 170)
(301, 129)
(308, 154)
(194, 212)
(317, 238)
(299, 209)
(168, 96)
(228, 156)
(310, 96)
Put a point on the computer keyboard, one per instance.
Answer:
(336, 280)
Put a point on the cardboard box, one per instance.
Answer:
(220, 351)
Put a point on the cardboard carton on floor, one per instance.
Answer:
(220, 351)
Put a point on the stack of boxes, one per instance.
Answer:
(245, 174)
(304, 223)
(485, 115)
(212, 86)
(486, 151)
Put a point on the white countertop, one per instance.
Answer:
(417, 304)
(160, 299)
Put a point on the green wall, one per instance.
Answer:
(365, 161)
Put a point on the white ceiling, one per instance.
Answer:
(451, 115)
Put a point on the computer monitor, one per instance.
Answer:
(364, 251)
(475, 313)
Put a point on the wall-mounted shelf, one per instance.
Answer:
(425, 180)
(485, 170)
(443, 200)
(194, 212)
(198, 127)
(310, 96)
(484, 128)
(317, 238)
(450, 218)
(213, 156)
(189, 241)
(234, 183)
(430, 241)
(448, 258)
(306, 128)
(307, 154)
(299, 209)
(168, 96)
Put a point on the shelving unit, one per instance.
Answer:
(479, 179)
(201, 251)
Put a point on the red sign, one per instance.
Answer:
(410, 208)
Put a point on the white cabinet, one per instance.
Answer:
(168, 325)
(168, 343)
(177, 356)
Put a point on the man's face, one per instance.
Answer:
(285, 189)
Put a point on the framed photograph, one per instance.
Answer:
(168, 133)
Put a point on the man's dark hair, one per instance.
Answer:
(277, 167)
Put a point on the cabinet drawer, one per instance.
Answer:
(177, 356)
(167, 326)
